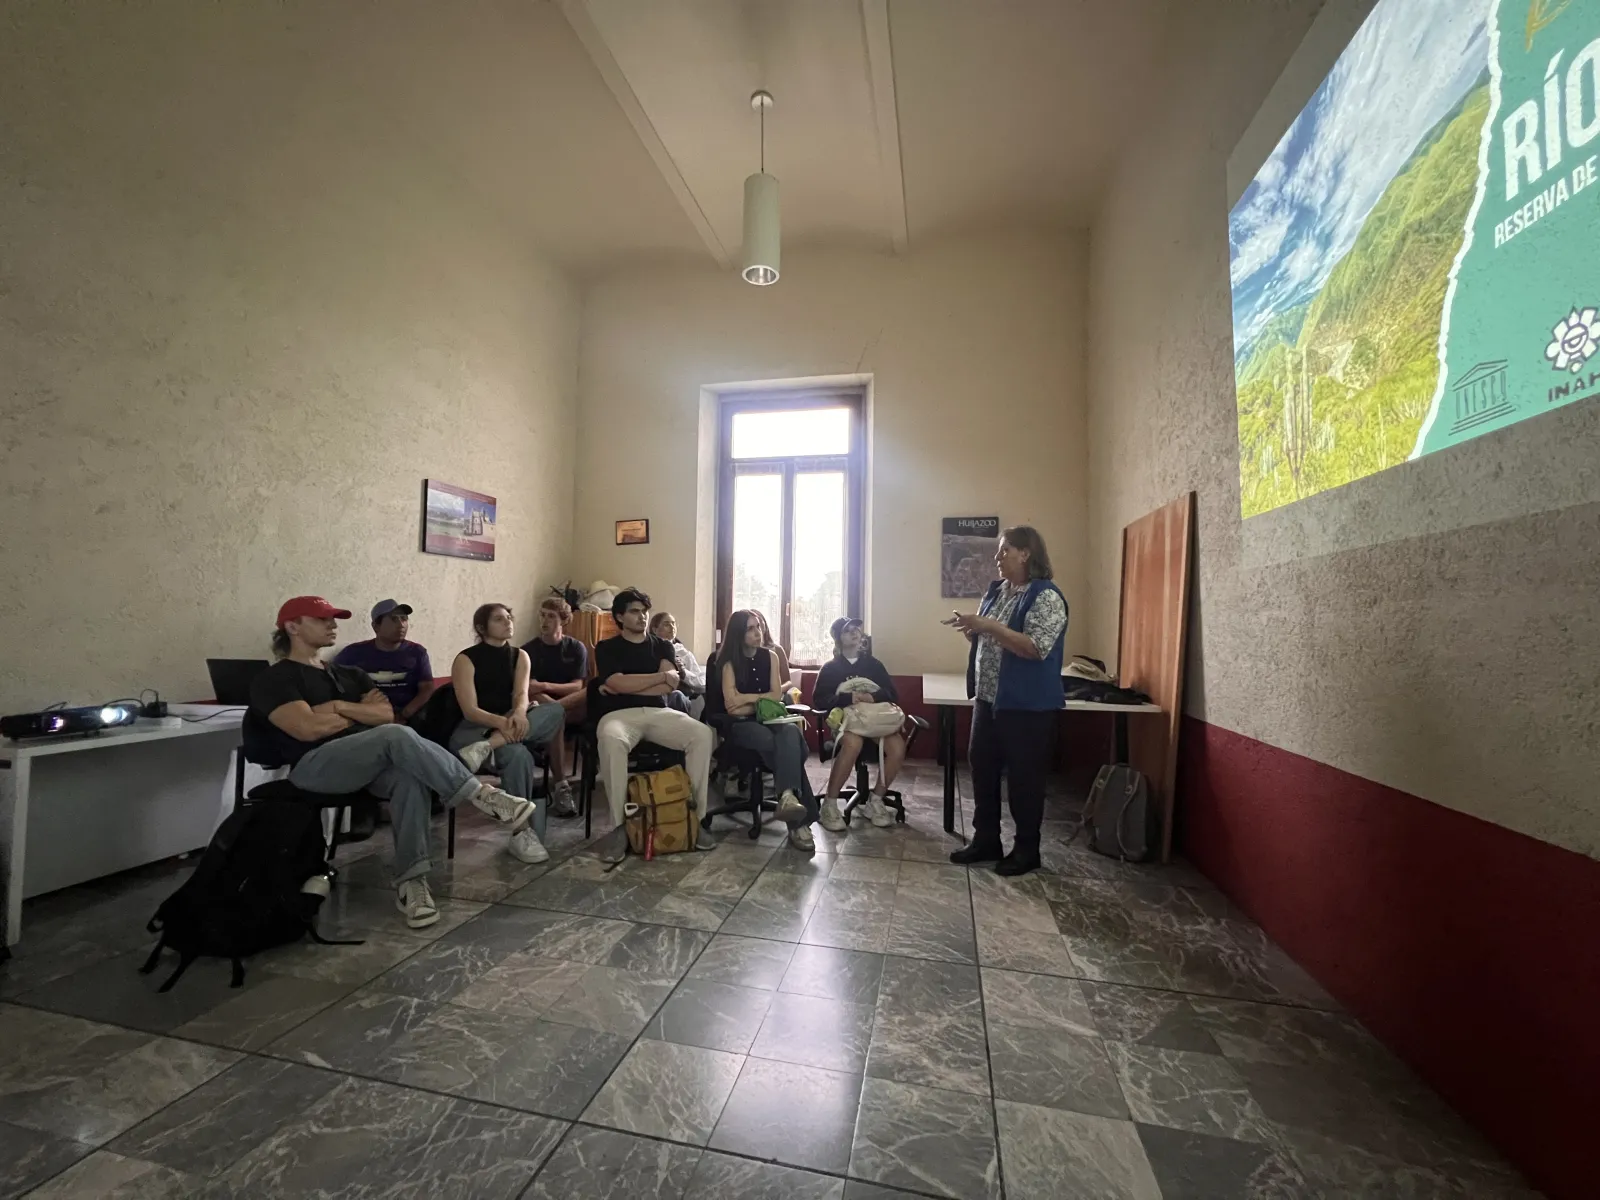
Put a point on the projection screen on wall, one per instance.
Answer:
(1418, 261)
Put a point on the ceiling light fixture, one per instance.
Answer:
(761, 236)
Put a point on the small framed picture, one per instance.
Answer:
(633, 533)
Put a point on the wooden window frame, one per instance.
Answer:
(853, 464)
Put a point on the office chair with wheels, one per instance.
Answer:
(744, 765)
(852, 798)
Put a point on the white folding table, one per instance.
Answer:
(81, 808)
(949, 692)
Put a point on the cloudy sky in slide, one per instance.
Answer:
(1406, 68)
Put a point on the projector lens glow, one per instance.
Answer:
(111, 715)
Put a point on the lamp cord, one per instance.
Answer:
(763, 139)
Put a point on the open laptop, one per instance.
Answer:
(231, 678)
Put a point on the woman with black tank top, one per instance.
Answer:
(745, 673)
(498, 729)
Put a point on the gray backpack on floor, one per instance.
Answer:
(1119, 816)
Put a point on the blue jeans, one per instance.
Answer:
(395, 762)
(782, 749)
(513, 762)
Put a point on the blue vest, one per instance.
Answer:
(1031, 685)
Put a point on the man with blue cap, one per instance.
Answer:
(399, 667)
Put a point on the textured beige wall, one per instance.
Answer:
(1460, 666)
(240, 321)
(975, 350)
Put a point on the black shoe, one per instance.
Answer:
(563, 806)
(1018, 864)
(977, 852)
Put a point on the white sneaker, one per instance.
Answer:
(800, 838)
(526, 847)
(790, 811)
(475, 755)
(317, 885)
(878, 812)
(504, 807)
(414, 899)
(831, 818)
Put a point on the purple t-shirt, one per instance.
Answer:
(399, 673)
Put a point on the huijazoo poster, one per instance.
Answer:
(1418, 262)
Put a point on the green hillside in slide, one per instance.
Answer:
(1337, 389)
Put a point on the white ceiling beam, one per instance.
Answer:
(577, 14)
(880, 69)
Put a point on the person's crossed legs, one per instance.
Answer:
(395, 762)
(513, 763)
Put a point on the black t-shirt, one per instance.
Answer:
(567, 661)
(619, 656)
(284, 682)
(493, 674)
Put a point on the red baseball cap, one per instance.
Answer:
(309, 606)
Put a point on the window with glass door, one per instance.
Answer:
(789, 529)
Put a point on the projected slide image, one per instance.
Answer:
(1418, 262)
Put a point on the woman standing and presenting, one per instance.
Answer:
(498, 728)
(1014, 678)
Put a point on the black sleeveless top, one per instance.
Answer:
(751, 675)
(492, 668)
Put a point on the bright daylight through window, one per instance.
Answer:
(790, 533)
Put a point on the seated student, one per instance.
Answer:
(771, 643)
(634, 673)
(498, 724)
(689, 696)
(850, 660)
(558, 669)
(743, 674)
(665, 626)
(400, 668)
(336, 732)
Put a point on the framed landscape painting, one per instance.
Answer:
(457, 522)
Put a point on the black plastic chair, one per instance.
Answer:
(252, 750)
(643, 759)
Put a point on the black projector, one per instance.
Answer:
(68, 722)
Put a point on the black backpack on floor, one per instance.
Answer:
(245, 895)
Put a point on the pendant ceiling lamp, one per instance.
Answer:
(761, 211)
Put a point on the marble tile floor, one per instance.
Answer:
(865, 1022)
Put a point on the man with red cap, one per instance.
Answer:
(336, 731)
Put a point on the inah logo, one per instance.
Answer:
(1577, 337)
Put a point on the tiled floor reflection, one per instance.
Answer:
(865, 1022)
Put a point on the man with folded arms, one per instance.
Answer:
(399, 667)
(336, 731)
(635, 671)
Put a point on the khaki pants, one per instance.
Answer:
(619, 732)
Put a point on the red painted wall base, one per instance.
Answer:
(1471, 950)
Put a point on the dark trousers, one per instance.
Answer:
(1019, 745)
